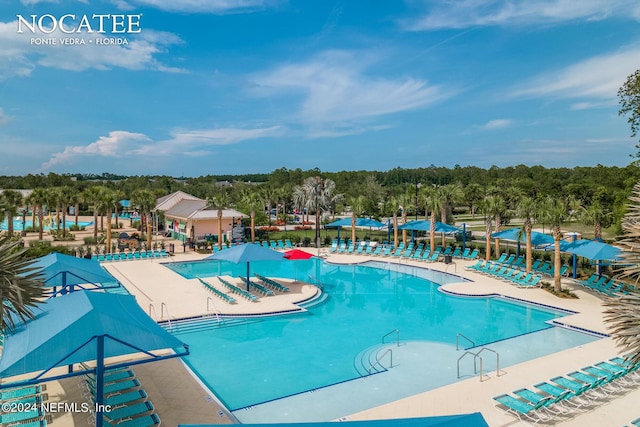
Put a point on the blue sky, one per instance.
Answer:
(246, 86)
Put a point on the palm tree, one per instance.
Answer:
(66, 198)
(12, 201)
(21, 287)
(251, 201)
(594, 215)
(318, 194)
(119, 194)
(219, 202)
(92, 195)
(407, 201)
(270, 196)
(357, 207)
(473, 194)
(145, 200)
(52, 201)
(450, 195)
(38, 198)
(527, 209)
(492, 207)
(108, 201)
(554, 212)
(433, 203)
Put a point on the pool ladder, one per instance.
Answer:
(163, 309)
(476, 357)
(389, 351)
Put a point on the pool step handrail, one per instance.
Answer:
(379, 360)
(458, 335)
(476, 357)
(215, 312)
(395, 331)
(152, 309)
(163, 308)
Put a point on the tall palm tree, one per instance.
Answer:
(12, 201)
(433, 203)
(594, 215)
(407, 202)
(119, 194)
(145, 200)
(357, 207)
(270, 196)
(21, 287)
(527, 209)
(473, 194)
(318, 194)
(39, 198)
(92, 196)
(554, 211)
(109, 200)
(220, 201)
(492, 206)
(252, 201)
(66, 198)
(52, 197)
(450, 195)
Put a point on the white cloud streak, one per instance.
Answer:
(20, 54)
(599, 77)
(458, 14)
(497, 124)
(336, 86)
(218, 7)
(121, 144)
(4, 119)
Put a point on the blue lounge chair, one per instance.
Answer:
(457, 253)
(549, 402)
(474, 254)
(351, 248)
(477, 265)
(334, 245)
(143, 421)
(519, 262)
(536, 264)
(398, 250)
(287, 244)
(361, 246)
(280, 244)
(128, 411)
(407, 252)
(533, 282)
(417, 254)
(342, 248)
(273, 244)
(503, 257)
(466, 253)
(378, 250)
(426, 255)
(520, 408)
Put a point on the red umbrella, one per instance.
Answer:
(296, 254)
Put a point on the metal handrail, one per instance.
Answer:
(458, 335)
(164, 307)
(215, 312)
(497, 360)
(153, 309)
(379, 359)
(395, 331)
(475, 356)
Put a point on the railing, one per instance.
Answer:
(314, 281)
(379, 359)
(395, 331)
(216, 313)
(152, 309)
(473, 344)
(476, 357)
(163, 308)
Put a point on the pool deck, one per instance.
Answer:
(178, 397)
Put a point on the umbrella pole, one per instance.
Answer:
(100, 382)
(248, 277)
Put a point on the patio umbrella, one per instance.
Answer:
(296, 254)
(422, 225)
(517, 234)
(360, 222)
(590, 249)
(68, 272)
(247, 253)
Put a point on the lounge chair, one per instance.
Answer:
(378, 250)
(342, 247)
(457, 253)
(474, 254)
(556, 391)
(426, 255)
(19, 392)
(334, 245)
(287, 244)
(351, 248)
(447, 251)
(519, 262)
(407, 252)
(143, 421)
(520, 408)
(577, 388)
(549, 402)
(387, 251)
(510, 259)
(434, 256)
(466, 253)
(503, 257)
(128, 411)
(280, 244)
(361, 246)
(477, 265)
(417, 254)
(17, 417)
(398, 250)
(273, 244)
(533, 282)
(536, 264)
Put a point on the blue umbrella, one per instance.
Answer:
(591, 249)
(422, 225)
(518, 235)
(247, 253)
(360, 222)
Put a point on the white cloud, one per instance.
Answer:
(599, 77)
(20, 54)
(497, 124)
(4, 119)
(219, 7)
(473, 13)
(120, 144)
(338, 86)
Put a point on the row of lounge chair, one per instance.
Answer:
(561, 395)
(28, 403)
(604, 285)
(409, 251)
(276, 286)
(128, 256)
(265, 286)
(128, 402)
(235, 289)
(276, 244)
(538, 265)
(513, 275)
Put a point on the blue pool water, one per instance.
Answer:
(17, 224)
(266, 359)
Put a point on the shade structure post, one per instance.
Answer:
(464, 235)
(100, 382)
(575, 261)
(248, 276)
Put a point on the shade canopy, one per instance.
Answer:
(65, 329)
(360, 222)
(517, 234)
(296, 254)
(247, 253)
(422, 225)
(63, 271)
(591, 249)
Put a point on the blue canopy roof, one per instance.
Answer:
(422, 225)
(591, 249)
(61, 270)
(247, 253)
(517, 234)
(360, 222)
(66, 328)
(463, 420)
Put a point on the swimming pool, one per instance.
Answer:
(252, 365)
